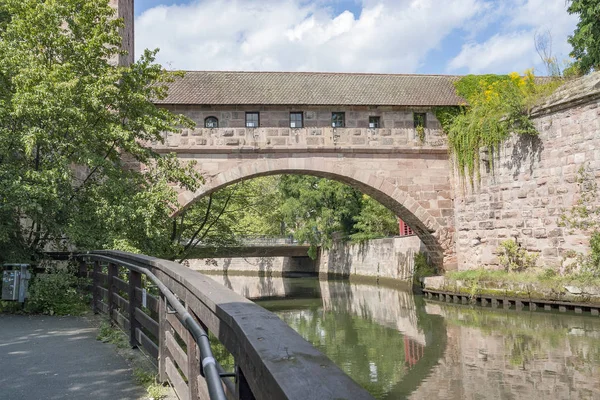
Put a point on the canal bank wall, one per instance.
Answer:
(532, 181)
(259, 266)
(516, 295)
(379, 259)
(389, 258)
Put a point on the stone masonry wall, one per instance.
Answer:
(397, 128)
(313, 116)
(391, 258)
(533, 181)
(125, 10)
(392, 165)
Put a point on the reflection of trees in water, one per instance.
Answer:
(521, 348)
(265, 274)
(371, 354)
(226, 280)
(359, 328)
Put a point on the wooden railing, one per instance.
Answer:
(271, 360)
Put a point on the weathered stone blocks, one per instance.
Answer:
(538, 181)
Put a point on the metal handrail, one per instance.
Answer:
(208, 364)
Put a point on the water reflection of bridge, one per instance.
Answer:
(447, 351)
(413, 351)
(410, 350)
(388, 307)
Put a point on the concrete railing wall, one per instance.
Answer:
(390, 258)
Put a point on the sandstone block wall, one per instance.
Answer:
(227, 138)
(397, 128)
(391, 117)
(413, 183)
(391, 258)
(533, 181)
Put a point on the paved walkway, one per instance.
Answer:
(59, 358)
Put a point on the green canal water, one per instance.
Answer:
(400, 346)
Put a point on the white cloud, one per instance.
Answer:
(387, 35)
(513, 50)
(512, 47)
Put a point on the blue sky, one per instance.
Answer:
(382, 36)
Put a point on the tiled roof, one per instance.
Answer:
(308, 88)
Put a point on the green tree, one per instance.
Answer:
(374, 221)
(72, 134)
(586, 38)
(314, 208)
(246, 209)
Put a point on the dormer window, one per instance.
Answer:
(211, 122)
(252, 120)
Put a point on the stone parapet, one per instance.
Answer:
(292, 138)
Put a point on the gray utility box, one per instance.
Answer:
(15, 281)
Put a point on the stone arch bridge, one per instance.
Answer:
(356, 128)
(413, 179)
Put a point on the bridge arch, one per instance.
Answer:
(437, 238)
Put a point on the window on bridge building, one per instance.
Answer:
(338, 119)
(420, 119)
(374, 122)
(211, 122)
(252, 120)
(296, 120)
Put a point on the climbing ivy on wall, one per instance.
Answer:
(446, 114)
(498, 105)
